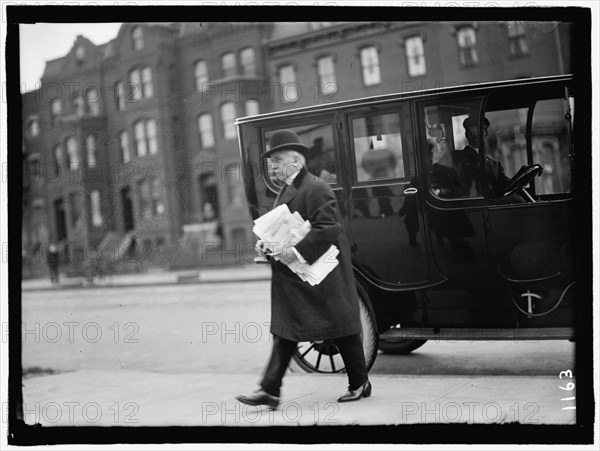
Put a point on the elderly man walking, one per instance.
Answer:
(300, 311)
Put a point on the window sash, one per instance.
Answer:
(93, 101)
(369, 58)
(136, 85)
(206, 129)
(120, 95)
(415, 55)
(95, 202)
(138, 38)
(228, 64)
(248, 61)
(147, 86)
(90, 144)
(201, 75)
(140, 139)
(228, 118)
(151, 136)
(252, 108)
(124, 143)
(72, 153)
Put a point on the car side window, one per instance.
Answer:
(452, 132)
(318, 137)
(381, 147)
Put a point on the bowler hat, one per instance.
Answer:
(286, 140)
(472, 121)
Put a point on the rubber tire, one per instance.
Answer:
(399, 347)
(369, 335)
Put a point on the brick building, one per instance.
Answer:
(131, 145)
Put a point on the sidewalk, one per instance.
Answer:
(243, 273)
(139, 398)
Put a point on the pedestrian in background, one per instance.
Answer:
(52, 259)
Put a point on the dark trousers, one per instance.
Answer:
(350, 348)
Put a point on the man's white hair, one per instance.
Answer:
(297, 155)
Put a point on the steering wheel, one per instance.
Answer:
(522, 178)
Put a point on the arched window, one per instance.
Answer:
(228, 65)
(138, 38)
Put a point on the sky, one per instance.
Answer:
(42, 42)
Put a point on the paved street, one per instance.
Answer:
(190, 348)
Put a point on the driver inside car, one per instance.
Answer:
(469, 178)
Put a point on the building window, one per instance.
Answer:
(72, 153)
(34, 167)
(33, 126)
(151, 203)
(415, 56)
(75, 207)
(517, 39)
(140, 139)
(120, 95)
(145, 199)
(56, 107)
(157, 201)
(138, 38)
(151, 136)
(90, 146)
(206, 131)
(93, 101)
(78, 104)
(58, 159)
(326, 73)
(228, 65)
(248, 61)
(287, 80)
(135, 85)
(369, 61)
(124, 146)
(141, 83)
(96, 206)
(201, 75)
(228, 119)
(252, 108)
(80, 53)
(147, 88)
(467, 52)
(146, 141)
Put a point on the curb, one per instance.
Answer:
(180, 281)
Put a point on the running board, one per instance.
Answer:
(417, 333)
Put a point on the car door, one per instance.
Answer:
(384, 205)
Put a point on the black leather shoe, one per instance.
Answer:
(259, 398)
(364, 391)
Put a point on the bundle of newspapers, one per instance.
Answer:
(281, 229)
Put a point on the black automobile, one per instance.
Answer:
(458, 205)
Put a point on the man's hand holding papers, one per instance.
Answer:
(279, 230)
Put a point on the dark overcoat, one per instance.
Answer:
(299, 311)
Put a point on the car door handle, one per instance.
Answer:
(410, 191)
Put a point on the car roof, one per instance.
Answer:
(384, 98)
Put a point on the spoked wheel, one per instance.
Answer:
(324, 356)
